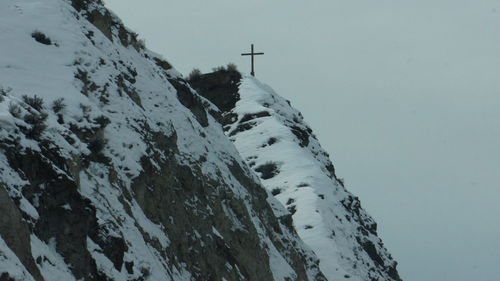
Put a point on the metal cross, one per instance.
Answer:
(252, 54)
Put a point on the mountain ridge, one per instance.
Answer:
(114, 168)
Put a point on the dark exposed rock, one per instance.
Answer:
(301, 134)
(128, 89)
(272, 141)
(292, 209)
(242, 127)
(114, 248)
(243, 252)
(276, 191)
(16, 234)
(41, 38)
(163, 64)
(103, 22)
(190, 101)
(51, 191)
(80, 5)
(5, 277)
(371, 250)
(267, 170)
(248, 117)
(129, 266)
(220, 87)
(88, 85)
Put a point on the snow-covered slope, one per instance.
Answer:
(112, 168)
(275, 141)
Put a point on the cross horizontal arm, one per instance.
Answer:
(251, 54)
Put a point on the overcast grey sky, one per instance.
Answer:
(405, 96)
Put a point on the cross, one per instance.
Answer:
(252, 54)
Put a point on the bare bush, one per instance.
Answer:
(102, 120)
(37, 122)
(35, 102)
(96, 145)
(219, 68)
(58, 105)
(194, 74)
(3, 93)
(231, 67)
(15, 110)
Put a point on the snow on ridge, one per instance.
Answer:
(275, 141)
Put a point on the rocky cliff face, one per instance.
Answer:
(281, 148)
(113, 168)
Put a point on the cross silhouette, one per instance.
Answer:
(252, 54)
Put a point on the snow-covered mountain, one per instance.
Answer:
(113, 168)
(280, 147)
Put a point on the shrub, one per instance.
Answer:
(96, 145)
(3, 93)
(194, 74)
(268, 170)
(103, 121)
(37, 122)
(15, 110)
(218, 69)
(85, 108)
(276, 191)
(232, 67)
(58, 105)
(35, 102)
(41, 38)
(140, 44)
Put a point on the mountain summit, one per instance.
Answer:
(112, 167)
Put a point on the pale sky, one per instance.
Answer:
(404, 95)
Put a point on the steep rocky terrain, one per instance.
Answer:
(281, 148)
(113, 168)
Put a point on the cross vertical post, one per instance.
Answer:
(252, 54)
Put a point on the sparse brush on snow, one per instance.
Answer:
(96, 145)
(3, 93)
(102, 120)
(41, 37)
(268, 170)
(140, 44)
(35, 102)
(37, 122)
(85, 109)
(58, 105)
(15, 110)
